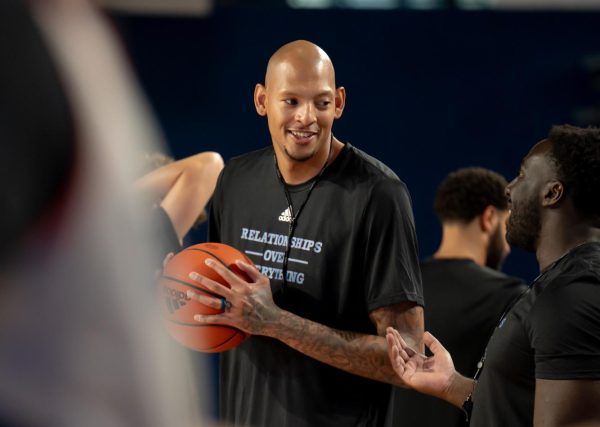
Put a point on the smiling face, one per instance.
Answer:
(525, 194)
(300, 101)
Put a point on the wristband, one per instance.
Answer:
(467, 407)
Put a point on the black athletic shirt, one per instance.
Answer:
(552, 333)
(354, 250)
(165, 235)
(464, 304)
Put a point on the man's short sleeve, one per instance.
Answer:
(391, 252)
(565, 331)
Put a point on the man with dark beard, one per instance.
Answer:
(543, 360)
(462, 282)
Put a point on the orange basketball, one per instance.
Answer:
(179, 310)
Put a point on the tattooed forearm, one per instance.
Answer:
(359, 354)
(406, 317)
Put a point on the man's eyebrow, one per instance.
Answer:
(318, 95)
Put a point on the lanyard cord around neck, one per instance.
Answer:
(295, 215)
(467, 405)
(499, 325)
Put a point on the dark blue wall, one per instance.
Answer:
(428, 92)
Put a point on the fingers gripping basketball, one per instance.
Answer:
(179, 309)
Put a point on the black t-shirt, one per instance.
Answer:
(354, 250)
(164, 233)
(552, 333)
(464, 304)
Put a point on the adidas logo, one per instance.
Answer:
(175, 299)
(285, 216)
(174, 304)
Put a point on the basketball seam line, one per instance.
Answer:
(183, 282)
(238, 332)
(204, 324)
(211, 254)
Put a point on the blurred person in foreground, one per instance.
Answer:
(80, 342)
(465, 293)
(542, 364)
(178, 192)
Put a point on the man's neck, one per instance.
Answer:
(296, 172)
(457, 242)
(555, 242)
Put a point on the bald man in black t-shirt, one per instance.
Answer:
(331, 232)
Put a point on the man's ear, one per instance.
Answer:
(340, 101)
(488, 219)
(553, 193)
(260, 99)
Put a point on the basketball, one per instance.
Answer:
(179, 310)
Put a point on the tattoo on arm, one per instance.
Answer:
(353, 352)
(406, 317)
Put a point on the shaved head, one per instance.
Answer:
(301, 101)
(301, 56)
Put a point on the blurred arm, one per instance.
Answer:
(184, 187)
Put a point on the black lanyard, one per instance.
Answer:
(295, 215)
(500, 323)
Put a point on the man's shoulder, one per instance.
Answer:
(368, 174)
(572, 293)
(584, 263)
(470, 271)
(251, 164)
(369, 165)
(581, 265)
(251, 158)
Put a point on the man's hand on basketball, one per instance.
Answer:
(430, 375)
(248, 305)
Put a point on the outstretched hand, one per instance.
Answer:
(430, 375)
(249, 304)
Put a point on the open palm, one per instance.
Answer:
(430, 375)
